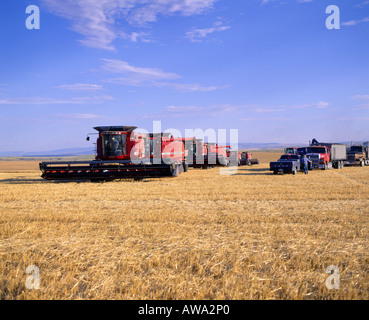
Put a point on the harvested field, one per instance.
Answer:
(202, 235)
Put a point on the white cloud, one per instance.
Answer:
(318, 105)
(98, 20)
(284, 108)
(364, 98)
(139, 73)
(268, 110)
(151, 77)
(81, 87)
(354, 22)
(362, 4)
(192, 111)
(80, 116)
(136, 36)
(188, 87)
(274, 119)
(45, 101)
(198, 34)
(361, 97)
(362, 107)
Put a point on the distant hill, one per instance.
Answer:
(262, 146)
(74, 152)
(67, 152)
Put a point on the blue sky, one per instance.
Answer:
(270, 69)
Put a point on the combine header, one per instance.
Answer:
(123, 153)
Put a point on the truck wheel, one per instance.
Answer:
(294, 171)
(362, 163)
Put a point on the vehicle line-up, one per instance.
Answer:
(321, 156)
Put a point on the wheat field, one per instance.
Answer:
(199, 236)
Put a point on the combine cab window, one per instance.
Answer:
(114, 145)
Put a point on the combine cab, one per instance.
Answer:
(122, 153)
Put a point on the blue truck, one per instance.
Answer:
(288, 163)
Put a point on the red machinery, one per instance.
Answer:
(243, 158)
(204, 155)
(123, 153)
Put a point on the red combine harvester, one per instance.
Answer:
(246, 159)
(243, 158)
(204, 155)
(123, 153)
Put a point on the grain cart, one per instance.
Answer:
(357, 155)
(121, 153)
